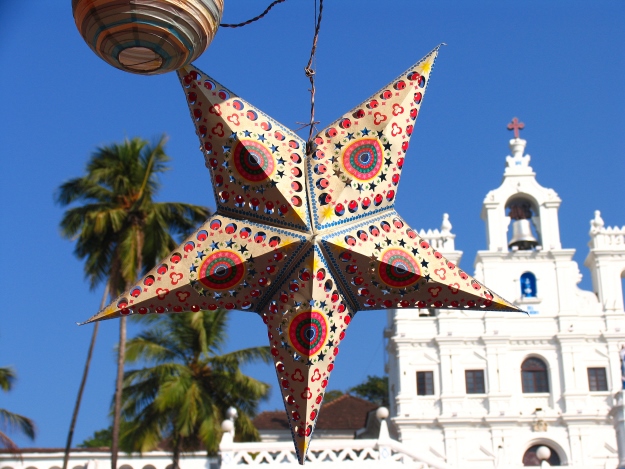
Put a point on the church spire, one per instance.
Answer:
(521, 215)
(517, 163)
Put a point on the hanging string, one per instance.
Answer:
(310, 73)
(308, 70)
(256, 18)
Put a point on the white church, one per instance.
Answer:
(471, 391)
(488, 391)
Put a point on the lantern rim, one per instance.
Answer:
(139, 59)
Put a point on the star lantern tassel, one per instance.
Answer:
(305, 240)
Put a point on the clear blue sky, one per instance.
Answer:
(558, 66)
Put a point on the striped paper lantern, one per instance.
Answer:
(148, 36)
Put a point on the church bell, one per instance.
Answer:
(522, 236)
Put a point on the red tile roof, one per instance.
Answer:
(344, 413)
(271, 420)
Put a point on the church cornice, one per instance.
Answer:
(523, 256)
(450, 421)
(569, 338)
(532, 341)
(559, 338)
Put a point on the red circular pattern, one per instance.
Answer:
(363, 159)
(222, 270)
(398, 268)
(253, 161)
(308, 332)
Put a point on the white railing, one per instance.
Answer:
(602, 237)
(328, 454)
(93, 459)
(609, 238)
(477, 406)
(424, 407)
(442, 240)
(323, 454)
(530, 403)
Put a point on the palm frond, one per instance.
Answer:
(145, 432)
(7, 378)
(7, 443)
(152, 347)
(82, 189)
(15, 422)
(188, 383)
(243, 357)
(244, 429)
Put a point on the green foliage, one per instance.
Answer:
(100, 439)
(9, 421)
(332, 395)
(374, 389)
(119, 229)
(183, 392)
(7, 378)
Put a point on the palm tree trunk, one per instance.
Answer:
(118, 391)
(81, 389)
(176, 456)
(121, 358)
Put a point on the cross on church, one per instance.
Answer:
(516, 126)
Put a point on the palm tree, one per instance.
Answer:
(120, 230)
(83, 382)
(10, 421)
(182, 395)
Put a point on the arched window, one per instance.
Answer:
(534, 376)
(530, 458)
(528, 285)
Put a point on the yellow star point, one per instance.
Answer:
(316, 264)
(327, 212)
(303, 446)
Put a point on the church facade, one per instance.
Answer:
(489, 390)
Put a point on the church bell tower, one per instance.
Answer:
(523, 238)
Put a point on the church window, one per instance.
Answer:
(425, 383)
(531, 458)
(474, 380)
(534, 376)
(597, 380)
(528, 285)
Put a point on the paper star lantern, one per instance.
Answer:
(303, 240)
(148, 36)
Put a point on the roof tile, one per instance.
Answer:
(344, 413)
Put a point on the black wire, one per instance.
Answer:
(310, 73)
(256, 18)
